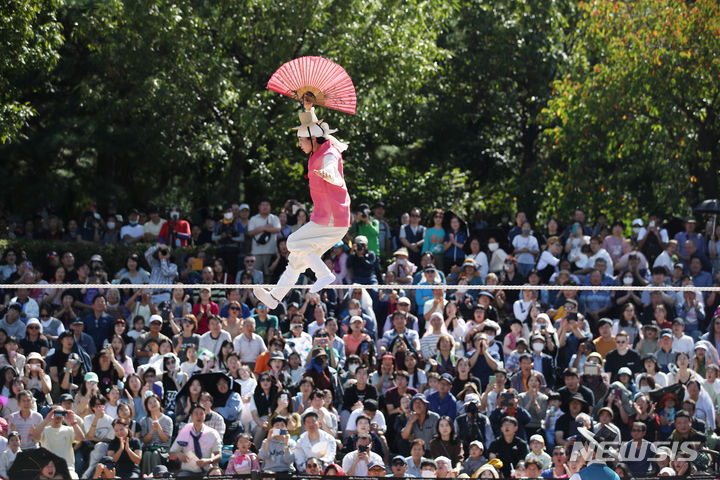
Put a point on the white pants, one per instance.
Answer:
(307, 245)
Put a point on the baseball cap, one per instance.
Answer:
(244, 206)
(625, 371)
(421, 397)
(91, 377)
(478, 444)
(537, 438)
(447, 377)
(638, 222)
(403, 301)
(666, 332)
(155, 318)
(399, 458)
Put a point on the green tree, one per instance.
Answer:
(503, 58)
(29, 35)
(634, 123)
(166, 101)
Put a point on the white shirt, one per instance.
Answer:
(547, 258)
(136, 231)
(249, 349)
(379, 418)
(257, 221)
(213, 344)
(684, 344)
(323, 448)
(482, 264)
(664, 260)
(520, 242)
(704, 409)
(361, 469)
(602, 253)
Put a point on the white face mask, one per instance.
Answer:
(627, 280)
(353, 367)
(427, 474)
(492, 246)
(645, 388)
(228, 215)
(538, 347)
(636, 229)
(491, 338)
(401, 261)
(174, 215)
(110, 225)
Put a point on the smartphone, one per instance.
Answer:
(492, 379)
(284, 397)
(541, 327)
(283, 431)
(572, 316)
(362, 448)
(61, 414)
(592, 369)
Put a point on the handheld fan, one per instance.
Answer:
(317, 80)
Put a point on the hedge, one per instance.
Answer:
(113, 255)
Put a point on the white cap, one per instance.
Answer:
(34, 321)
(667, 471)
(537, 438)
(244, 205)
(638, 221)
(625, 370)
(154, 318)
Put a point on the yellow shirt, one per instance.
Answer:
(604, 346)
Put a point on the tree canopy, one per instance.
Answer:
(465, 104)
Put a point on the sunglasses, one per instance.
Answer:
(401, 464)
(262, 307)
(33, 327)
(299, 325)
(234, 308)
(312, 465)
(47, 315)
(249, 261)
(265, 379)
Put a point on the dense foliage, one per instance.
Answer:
(469, 104)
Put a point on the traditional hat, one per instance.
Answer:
(310, 126)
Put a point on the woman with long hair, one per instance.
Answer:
(11, 356)
(463, 377)
(119, 348)
(628, 322)
(418, 377)
(53, 296)
(156, 433)
(226, 348)
(185, 402)
(220, 274)
(454, 322)
(134, 393)
(445, 443)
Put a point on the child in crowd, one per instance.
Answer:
(476, 458)
(537, 445)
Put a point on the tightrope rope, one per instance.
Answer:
(220, 286)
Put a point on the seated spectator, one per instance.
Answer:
(277, 449)
(243, 461)
(423, 423)
(314, 442)
(196, 446)
(508, 446)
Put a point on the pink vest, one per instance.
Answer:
(330, 201)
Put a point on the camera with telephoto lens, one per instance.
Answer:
(471, 408)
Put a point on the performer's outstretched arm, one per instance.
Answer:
(330, 172)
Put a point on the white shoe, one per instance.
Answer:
(322, 283)
(265, 297)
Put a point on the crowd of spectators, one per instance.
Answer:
(440, 381)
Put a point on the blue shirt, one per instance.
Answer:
(596, 299)
(98, 328)
(443, 406)
(598, 471)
